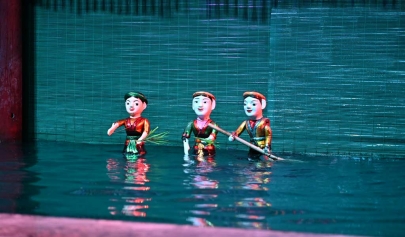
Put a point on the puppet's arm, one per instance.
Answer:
(238, 131)
(112, 129)
(146, 130)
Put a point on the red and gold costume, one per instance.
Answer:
(259, 132)
(134, 128)
(201, 145)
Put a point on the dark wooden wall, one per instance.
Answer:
(11, 98)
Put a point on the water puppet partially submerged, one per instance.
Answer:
(203, 104)
(137, 128)
(257, 126)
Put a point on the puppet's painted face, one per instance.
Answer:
(134, 106)
(253, 107)
(202, 105)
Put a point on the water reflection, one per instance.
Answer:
(199, 169)
(232, 195)
(17, 184)
(252, 210)
(136, 172)
(132, 172)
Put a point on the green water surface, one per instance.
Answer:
(321, 194)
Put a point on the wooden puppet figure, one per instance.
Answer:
(136, 127)
(203, 103)
(257, 126)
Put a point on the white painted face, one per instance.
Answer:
(134, 106)
(203, 106)
(253, 107)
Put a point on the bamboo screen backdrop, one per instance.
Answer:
(333, 72)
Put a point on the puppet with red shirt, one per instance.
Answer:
(137, 128)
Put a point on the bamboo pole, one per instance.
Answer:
(245, 142)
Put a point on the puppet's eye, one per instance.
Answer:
(136, 103)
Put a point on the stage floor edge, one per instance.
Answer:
(12, 225)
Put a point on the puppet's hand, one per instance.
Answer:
(112, 129)
(232, 137)
(210, 139)
(267, 150)
(186, 146)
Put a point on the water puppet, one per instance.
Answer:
(203, 103)
(137, 128)
(257, 126)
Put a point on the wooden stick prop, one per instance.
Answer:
(245, 142)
